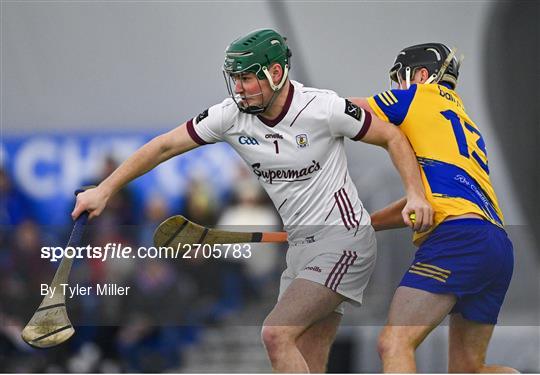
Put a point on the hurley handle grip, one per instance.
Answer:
(78, 227)
(78, 230)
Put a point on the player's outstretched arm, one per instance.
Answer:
(394, 141)
(158, 150)
(390, 216)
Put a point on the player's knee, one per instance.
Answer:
(276, 337)
(385, 345)
(391, 342)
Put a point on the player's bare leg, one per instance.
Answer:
(315, 342)
(303, 304)
(414, 313)
(468, 346)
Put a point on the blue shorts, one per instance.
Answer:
(470, 258)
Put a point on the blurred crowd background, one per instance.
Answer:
(84, 84)
(170, 302)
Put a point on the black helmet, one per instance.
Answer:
(437, 58)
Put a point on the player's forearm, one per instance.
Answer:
(144, 159)
(389, 217)
(405, 162)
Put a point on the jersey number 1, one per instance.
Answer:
(277, 147)
(461, 140)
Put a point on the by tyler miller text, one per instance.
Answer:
(79, 290)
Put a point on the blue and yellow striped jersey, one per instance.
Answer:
(449, 148)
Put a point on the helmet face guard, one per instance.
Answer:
(242, 101)
(255, 53)
(438, 59)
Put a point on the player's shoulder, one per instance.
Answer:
(395, 95)
(441, 94)
(324, 99)
(228, 105)
(221, 113)
(446, 92)
(227, 109)
(315, 101)
(398, 98)
(393, 105)
(312, 91)
(439, 89)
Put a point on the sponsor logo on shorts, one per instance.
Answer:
(313, 268)
(310, 239)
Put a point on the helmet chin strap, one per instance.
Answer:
(437, 77)
(269, 78)
(408, 77)
(275, 88)
(431, 78)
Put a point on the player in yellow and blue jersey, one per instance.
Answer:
(464, 262)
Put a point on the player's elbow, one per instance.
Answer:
(395, 139)
(162, 147)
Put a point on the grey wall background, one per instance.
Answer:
(96, 66)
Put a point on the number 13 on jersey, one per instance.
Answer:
(461, 139)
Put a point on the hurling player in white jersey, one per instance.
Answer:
(292, 137)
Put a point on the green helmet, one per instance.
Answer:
(254, 53)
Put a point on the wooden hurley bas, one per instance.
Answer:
(177, 231)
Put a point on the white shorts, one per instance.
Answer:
(342, 263)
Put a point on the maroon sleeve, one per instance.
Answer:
(193, 134)
(365, 127)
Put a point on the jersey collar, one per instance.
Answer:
(445, 84)
(283, 112)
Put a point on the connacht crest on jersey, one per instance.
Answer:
(302, 140)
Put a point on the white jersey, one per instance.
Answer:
(299, 158)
